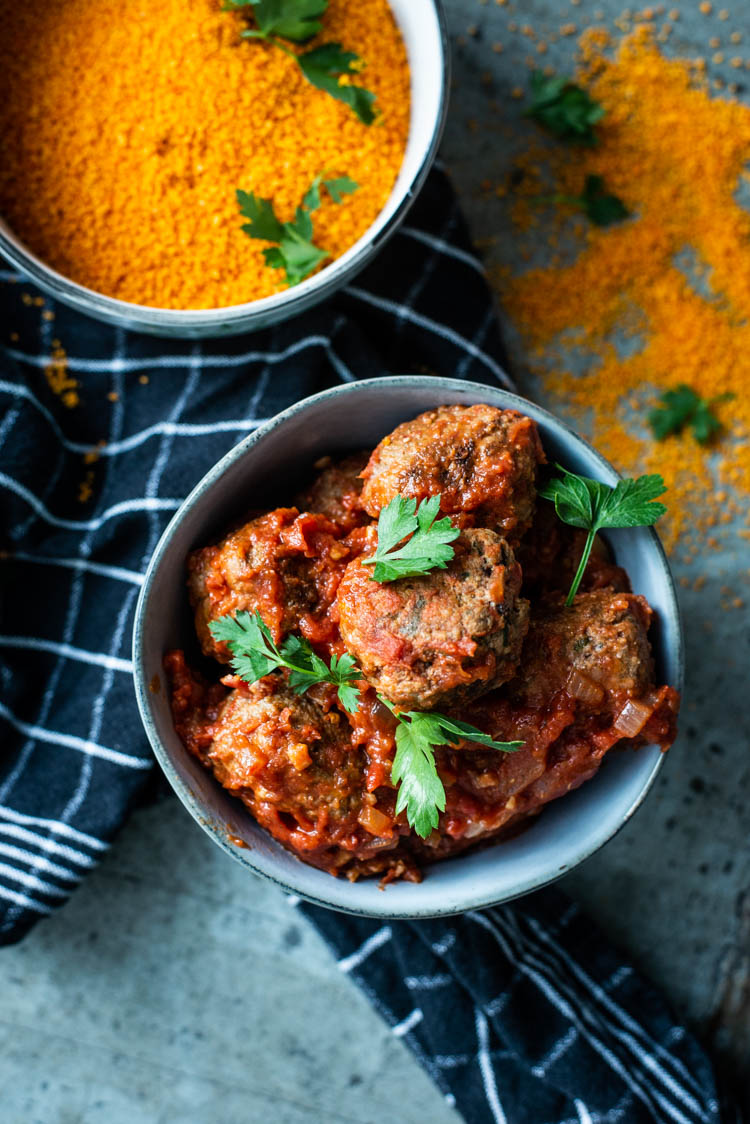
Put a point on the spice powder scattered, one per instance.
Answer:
(127, 127)
(660, 299)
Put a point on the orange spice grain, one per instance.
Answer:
(59, 380)
(688, 320)
(126, 129)
(86, 487)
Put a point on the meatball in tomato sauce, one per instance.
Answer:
(596, 647)
(481, 460)
(336, 491)
(443, 637)
(291, 760)
(284, 565)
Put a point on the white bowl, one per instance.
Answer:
(267, 466)
(423, 28)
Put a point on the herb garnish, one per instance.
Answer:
(255, 654)
(683, 407)
(582, 502)
(294, 251)
(418, 733)
(297, 20)
(563, 108)
(599, 205)
(421, 792)
(325, 66)
(427, 548)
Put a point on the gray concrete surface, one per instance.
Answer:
(175, 989)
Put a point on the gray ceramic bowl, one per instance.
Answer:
(266, 467)
(422, 24)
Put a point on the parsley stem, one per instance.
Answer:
(581, 567)
(283, 47)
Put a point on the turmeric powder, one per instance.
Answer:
(660, 299)
(126, 129)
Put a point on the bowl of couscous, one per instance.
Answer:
(200, 169)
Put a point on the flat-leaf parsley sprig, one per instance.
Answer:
(328, 67)
(681, 407)
(418, 734)
(255, 654)
(426, 549)
(600, 206)
(298, 20)
(564, 109)
(591, 505)
(294, 251)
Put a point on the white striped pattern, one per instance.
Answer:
(58, 828)
(126, 444)
(68, 651)
(172, 362)
(376, 941)
(443, 247)
(560, 996)
(125, 507)
(407, 1025)
(643, 1052)
(62, 850)
(428, 983)
(440, 330)
(81, 565)
(30, 857)
(31, 881)
(70, 741)
(24, 901)
(486, 1070)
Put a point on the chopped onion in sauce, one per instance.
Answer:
(374, 821)
(580, 686)
(632, 718)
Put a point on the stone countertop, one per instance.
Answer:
(121, 1010)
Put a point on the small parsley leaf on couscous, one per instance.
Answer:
(294, 251)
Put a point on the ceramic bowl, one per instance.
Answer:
(267, 467)
(423, 27)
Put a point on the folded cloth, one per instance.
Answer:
(520, 1013)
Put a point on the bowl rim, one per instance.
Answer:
(469, 899)
(266, 310)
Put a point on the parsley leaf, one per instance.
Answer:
(336, 188)
(418, 734)
(297, 20)
(255, 654)
(600, 206)
(426, 550)
(323, 66)
(326, 65)
(683, 407)
(294, 251)
(263, 223)
(591, 505)
(564, 109)
(421, 791)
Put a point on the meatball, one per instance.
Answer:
(284, 565)
(480, 459)
(593, 649)
(285, 752)
(585, 685)
(443, 637)
(292, 761)
(335, 491)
